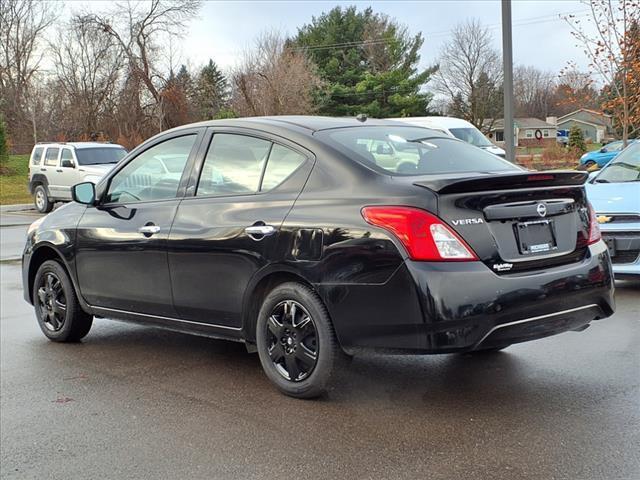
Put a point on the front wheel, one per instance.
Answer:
(296, 341)
(41, 199)
(59, 314)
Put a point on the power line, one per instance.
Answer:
(522, 22)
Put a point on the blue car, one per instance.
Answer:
(614, 193)
(603, 156)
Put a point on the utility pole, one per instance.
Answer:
(507, 60)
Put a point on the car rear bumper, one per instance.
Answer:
(429, 307)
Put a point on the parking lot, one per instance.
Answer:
(136, 402)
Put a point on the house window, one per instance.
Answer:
(499, 136)
(529, 134)
(545, 133)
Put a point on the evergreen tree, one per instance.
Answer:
(211, 91)
(369, 64)
(576, 140)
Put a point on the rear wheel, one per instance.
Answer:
(296, 342)
(59, 314)
(41, 199)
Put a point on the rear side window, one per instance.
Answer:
(36, 156)
(51, 156)
(233, 165)
(411, 151)
(282, 162)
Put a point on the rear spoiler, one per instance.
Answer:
(501, 181)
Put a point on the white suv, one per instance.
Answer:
(56, 167)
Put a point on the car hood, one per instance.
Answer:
(98, 169)
(614, 197)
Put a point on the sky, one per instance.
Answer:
(224, 28)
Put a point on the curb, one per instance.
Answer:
(21, 207)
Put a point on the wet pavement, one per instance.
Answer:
(137, 402)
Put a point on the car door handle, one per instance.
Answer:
(149, 229)
(43, 169)
(59, 171)
(257, 232)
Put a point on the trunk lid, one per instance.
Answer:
(516, 221)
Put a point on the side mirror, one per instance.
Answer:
(603, 150)
(84, 193)
(66, 163)
(593, 175)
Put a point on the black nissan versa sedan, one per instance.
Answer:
(309, 238)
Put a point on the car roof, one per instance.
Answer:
(79, 145)
(437, 122)
(310, 123)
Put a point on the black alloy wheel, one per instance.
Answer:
(58, 310)
(52, 302)
(296, 342)
(292, 340)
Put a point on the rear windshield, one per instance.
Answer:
(97, 155)
(411, 151)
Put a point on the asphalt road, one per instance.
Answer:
(136, 402)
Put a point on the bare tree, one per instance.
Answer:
(138, 28)
(273, 79)
(614, 54)
(533, 91)
(87, 64)
(22, 25)
(470, 74)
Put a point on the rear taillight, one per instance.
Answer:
(424, 235)
(594, 227)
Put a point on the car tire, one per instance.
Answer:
(296, 341)
(41, 199)
(58, 311)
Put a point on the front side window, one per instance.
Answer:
(36, 156)
(51, 157)
(416, 151)
(233, 165)
(145, 178)
(66, 158)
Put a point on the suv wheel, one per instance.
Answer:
(59, 314)
(296, 342)
(41, 199)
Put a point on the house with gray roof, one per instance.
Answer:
(595, 126)
(529, 131)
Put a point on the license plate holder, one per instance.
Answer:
(611, 245)
(536, 237)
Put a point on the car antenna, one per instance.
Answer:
(362, 118)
